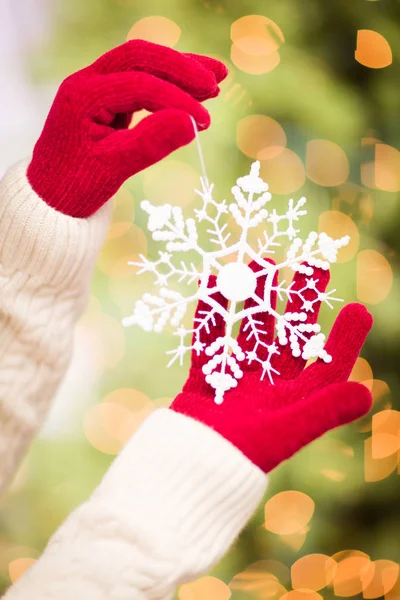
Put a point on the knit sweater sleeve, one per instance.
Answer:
(178, 494)
(46, 262)
(168, 508)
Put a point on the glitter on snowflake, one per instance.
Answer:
(249, 209)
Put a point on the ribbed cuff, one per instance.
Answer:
(204, 488)
(41, 242)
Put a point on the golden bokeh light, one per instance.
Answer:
(380, 390)
(254, 64)
(301, 595)
(374, 277)
(366, 207)
(394, 593)
(387, 168)
(118, 229)
(337, 224)
(132, 424)
(234, 93)
(288, 512)
(352, 575)
(102, 425)
(109, 425)
(257, 134)
(18, 567)
(380, 394)
(157, 29)
(386, 573)
(342, 554)
(385, 434)
(326, 163)
(256, 579)
(376, 469)
(384, 445)
(106, 337)
(256, 35)
(373, 50)
(205, 587)
(333, 475)
(171, 181)
(368, 174)
(275, 567)
(123, 206)
(386, 421)
(284, 173)
(259, 588)
(119, 249)
(123, 269)
(296, 540)
(362, 372)
(133, 400)
(313, 572)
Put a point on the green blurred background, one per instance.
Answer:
(313, 92)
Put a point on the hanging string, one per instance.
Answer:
(200, 153)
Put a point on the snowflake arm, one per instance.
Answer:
(168, 225)
(217, 232)
(153, 312)
(164, 269)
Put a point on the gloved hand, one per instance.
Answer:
(269, 423)
(85, 152)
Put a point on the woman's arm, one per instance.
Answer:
(54, 214)
(168, 508)
(46, 263)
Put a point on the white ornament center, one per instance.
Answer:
(236, 282)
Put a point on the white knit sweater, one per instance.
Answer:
(176, 497)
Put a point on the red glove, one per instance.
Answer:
(86, 152)
(269, 423)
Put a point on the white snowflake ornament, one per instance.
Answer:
(235, 280)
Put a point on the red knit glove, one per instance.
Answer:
(86, 152)
(269, 423)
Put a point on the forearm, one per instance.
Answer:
(46, 262)
(166, 511)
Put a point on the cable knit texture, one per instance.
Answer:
(167, 510)
(46, 262)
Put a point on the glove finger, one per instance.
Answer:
(155, 137)
(209, 324)
(164, 63)
(128, 92)
(121, 121)
(292, 427)
(344, 344)
(256, 332)
(212, 64)
(304, 297)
